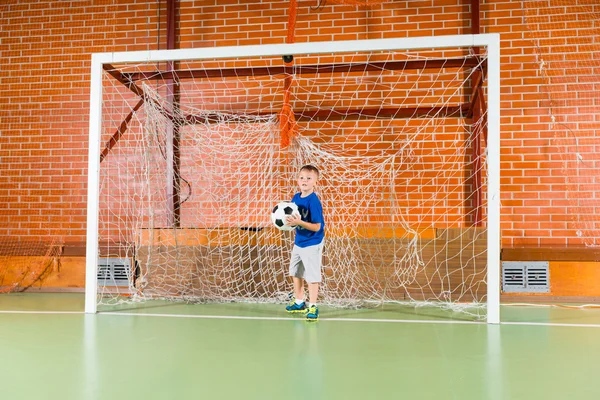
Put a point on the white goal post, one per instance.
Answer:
(489, 42)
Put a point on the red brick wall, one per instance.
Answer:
(550, 121)
(548, 196)
(44, 103)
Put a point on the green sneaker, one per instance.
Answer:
(313, 313)
(296, 308)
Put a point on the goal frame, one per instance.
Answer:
(490, 41)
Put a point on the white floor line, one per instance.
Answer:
(198, 316)
(409, 321)
(39, 312)
(291, 318)
(552, 324)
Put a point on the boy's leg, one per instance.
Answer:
(313, 292)
(298, 288)
(311, 258)
(297, 305)
(297, 273)
(312, 313)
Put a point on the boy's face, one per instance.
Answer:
(307, 180)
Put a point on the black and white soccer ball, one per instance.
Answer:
(279, 213)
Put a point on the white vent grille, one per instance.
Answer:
(513, 277)
(114, 271)
(525, 277)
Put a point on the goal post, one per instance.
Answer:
(423, 227)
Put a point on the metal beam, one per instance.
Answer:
(172, 134)
(337, 114)
(477, 98)
(123, 79)
(463, 62)
(475, 21)
(476, 125)
(120, 131)
(408, 112)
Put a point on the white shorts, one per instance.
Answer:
(306, 262)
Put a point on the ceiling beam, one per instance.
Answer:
(337, 114)
(463, 62)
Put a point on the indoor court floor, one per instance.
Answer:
(161, 350)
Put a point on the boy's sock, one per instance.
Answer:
(299, 301)
(312, 304)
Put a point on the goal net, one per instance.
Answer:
(195, 152)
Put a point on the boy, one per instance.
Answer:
(305, 263)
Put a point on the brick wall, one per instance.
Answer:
(44, 102)
(548, 193)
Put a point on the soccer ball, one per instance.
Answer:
(279, 213)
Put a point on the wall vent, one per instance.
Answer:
(525, 277)
(114, 271)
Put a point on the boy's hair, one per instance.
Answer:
(310, 168)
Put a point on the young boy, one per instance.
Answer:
(305, 263)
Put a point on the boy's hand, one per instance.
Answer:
(293, 220)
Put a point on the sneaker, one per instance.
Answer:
(313, 313)
(296, 308)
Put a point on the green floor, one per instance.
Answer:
(245, 351)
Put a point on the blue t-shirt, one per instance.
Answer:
(311, 210)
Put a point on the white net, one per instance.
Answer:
(403, 175)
